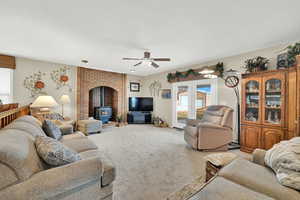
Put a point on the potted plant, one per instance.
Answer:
(119, 120)
(156, 121)
(256, 64)
(292, 52)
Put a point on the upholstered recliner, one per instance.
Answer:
(213, 131)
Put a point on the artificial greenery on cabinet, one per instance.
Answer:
(256, 64)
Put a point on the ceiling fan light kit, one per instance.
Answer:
(148, 61)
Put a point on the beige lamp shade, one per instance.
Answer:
(65, 99)
(44, 102)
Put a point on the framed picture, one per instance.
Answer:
(166, 93)
(134, 87)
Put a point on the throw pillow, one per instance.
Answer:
(52, 130)
(54, 152)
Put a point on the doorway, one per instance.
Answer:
(190, 98)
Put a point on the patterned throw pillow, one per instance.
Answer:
(54, 152)
(51, 129)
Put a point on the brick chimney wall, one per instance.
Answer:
(90, 78)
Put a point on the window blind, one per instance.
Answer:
(7, 62)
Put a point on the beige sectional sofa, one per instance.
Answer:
(24, 175)
(246, 180)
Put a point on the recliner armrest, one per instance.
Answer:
(192, 122)
(52, 182)
(214, 126)
(258, 156)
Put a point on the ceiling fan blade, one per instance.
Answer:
(154, 65)
(131, 59)
(138, 63)
(161, 59)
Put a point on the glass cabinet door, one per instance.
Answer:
(252, 98)
(273, 101)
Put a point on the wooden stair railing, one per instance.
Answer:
(8, 116)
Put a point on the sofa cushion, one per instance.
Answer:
(30, 119)
(27, 127)
(74, 135)
(54, 152)
(17, 152)
(80, 144)
(257, 178)
(108, 169)
(52, 130)
(8, 176)
(222, 189)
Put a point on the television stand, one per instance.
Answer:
(139, 117)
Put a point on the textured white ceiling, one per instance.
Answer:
(189, 32)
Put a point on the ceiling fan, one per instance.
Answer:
(147, 60)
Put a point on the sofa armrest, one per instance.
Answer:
(109, 172)
(258, 156)
(55, 181)
(66, 129)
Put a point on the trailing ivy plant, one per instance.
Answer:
(220, 68)
(170, 77)
(256, 64)
(190, 72)
(179, 75)
(292, 52)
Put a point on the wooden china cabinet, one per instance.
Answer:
(270, 107)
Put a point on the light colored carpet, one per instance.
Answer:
(151, 162)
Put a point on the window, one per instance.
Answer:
(6, 78)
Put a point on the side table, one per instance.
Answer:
(211, 170)
(214, 162)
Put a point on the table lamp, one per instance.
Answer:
(64, 99)
(44, 103)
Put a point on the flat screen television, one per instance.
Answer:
(141, 104)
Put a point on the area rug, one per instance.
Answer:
(151, 163)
